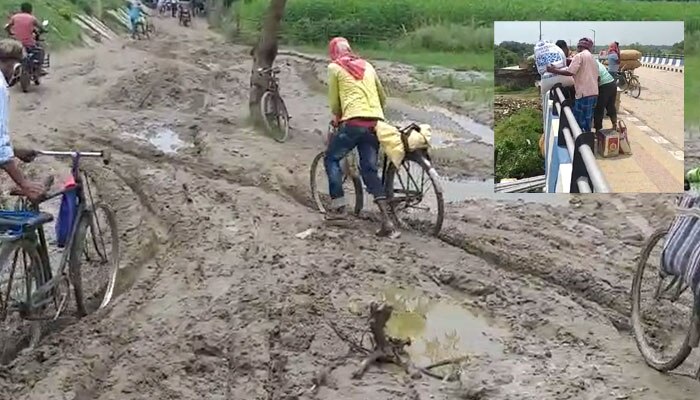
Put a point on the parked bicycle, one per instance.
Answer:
(629, 83)
(406, 187)
(31, 289)
(665, 314)
(272, 108)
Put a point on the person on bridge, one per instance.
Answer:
(607, 92)
(22, 26)
(614, 59)
(357, 100)
(569, 91)
(11, 53)
(585, 72)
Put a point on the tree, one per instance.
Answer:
(264, 54)
(504, 57)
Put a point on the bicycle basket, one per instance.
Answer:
(681, 252)
(66, 214)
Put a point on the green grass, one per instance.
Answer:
(368, 20)
(692, 89)
(517, 142)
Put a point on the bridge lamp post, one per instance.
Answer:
(594, 43)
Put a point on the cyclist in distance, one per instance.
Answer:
(11, 52)
(357, 100)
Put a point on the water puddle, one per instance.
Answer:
(163, 139)
(455, 191)
(447, 125)
(483, 132)
(440, 330)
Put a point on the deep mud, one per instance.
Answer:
(220, 299)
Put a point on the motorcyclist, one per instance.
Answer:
(357, 100)
(23, 26)
(11, 52)
(184, 6)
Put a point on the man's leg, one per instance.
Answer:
(338, 148)
(599, 110)
(368, 147)
(611, 93)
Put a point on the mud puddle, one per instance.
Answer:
(162, 138)
(459, 190)
(441, 330)
(451, 125)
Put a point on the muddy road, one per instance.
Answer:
(219, 298)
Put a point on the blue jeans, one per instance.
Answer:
(347, 138)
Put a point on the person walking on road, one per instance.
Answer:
(607, 93)
(357, 100)
(585, 72)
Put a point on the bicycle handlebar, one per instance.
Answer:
(104, 154)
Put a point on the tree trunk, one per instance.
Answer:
(264, 54)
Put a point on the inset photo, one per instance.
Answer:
(586, 106)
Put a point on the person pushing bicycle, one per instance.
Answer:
(357, 100)
(11, 52)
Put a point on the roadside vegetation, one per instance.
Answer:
(692, 77)
(516, 139)
(63, 32)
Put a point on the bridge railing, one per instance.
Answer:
(670, 60)
(570, 164)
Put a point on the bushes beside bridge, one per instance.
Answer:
(517, 143)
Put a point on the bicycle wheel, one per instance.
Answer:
(655, 329)
(94, 259)
(352, 186)
(21, 273)
(635, 88)
(408, 189)
(274, 115)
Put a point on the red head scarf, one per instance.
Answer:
(614, 48)
(341, 54)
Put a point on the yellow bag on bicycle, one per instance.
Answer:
(390, 141)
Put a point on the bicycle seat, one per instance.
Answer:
(14, 223)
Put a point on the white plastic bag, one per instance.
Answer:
(548, 53)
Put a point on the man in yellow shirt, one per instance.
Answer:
(357, 99)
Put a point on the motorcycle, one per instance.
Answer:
(185, 15)
(28, 69)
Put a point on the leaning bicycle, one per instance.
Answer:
(30, 289)
(274, 112)
(665, 314)
(407, 187)
(629, 83)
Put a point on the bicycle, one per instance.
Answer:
(44, 293)
(272, 108)
(629, 83)
(670, 291)
(401, 195)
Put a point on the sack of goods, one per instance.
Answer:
(630, 64)
(392, 145)
(548, 53)
(630, 55)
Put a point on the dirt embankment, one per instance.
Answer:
(220, 299)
